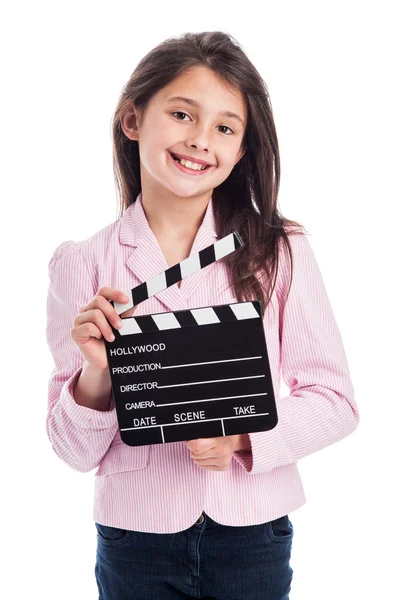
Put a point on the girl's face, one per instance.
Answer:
(199, 131)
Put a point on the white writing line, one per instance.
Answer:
(191, 422)
(211, 362)
(161, 387)
(209, 399)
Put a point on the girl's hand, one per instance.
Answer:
(214, 454)
(90, 327)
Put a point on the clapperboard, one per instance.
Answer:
(190, 374)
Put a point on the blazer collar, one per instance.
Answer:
(147, 259)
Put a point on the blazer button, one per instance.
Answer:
(201, 519)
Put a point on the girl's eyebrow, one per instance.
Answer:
(223, 113)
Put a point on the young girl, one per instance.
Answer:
(205, 518)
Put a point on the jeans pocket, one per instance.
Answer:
(111, 535)
(280, 530)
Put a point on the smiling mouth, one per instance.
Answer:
(178, 160)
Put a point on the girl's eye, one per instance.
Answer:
(178, 112)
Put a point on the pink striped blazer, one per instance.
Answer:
(158, 488)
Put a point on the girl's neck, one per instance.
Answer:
(177, 218)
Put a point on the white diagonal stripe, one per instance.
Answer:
(129, 325)
(190, 265)
(166, 321)
(244, 310)
(224, 246)
(203, 316)
(156, 284)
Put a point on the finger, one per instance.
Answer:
(82, 333)
(102, 303)
(97, 317)
(128, 313)
(107, 293)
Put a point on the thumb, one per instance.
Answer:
(128, 313)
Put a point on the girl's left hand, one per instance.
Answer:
(214, 454)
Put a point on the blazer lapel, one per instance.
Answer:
(147, 260)
(206, 235)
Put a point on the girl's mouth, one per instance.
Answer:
(187, 169)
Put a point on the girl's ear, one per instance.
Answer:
(130, 123)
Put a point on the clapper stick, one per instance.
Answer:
(180, 271)
(186, 374)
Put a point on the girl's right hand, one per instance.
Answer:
(90, 327)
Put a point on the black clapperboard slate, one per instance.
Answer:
(189, 374)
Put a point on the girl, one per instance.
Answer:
(205, 517)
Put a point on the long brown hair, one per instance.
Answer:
(247, 200)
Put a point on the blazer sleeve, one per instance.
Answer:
(79, 435)
(321, 408)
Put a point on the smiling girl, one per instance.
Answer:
(195, 158)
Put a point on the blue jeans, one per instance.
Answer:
(208, 560)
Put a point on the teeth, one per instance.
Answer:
(190, 165)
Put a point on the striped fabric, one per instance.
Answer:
(158, 488)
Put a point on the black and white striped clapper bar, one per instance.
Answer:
(190, 374)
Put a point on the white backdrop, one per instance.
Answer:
(331, 69)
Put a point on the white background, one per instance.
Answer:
(331, 69)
